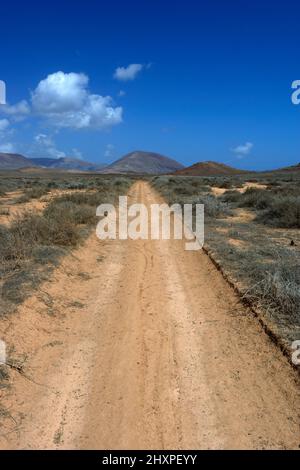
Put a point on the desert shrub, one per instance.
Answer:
(16, 287)
(33, 193)
(52, 185)
(283, 212)
(75, 213)
(7, 245)
(36, 193)
(253, 180)
(273, 183)
(77, 185)
(4, 211)
(213, 207)
(160, 182)
(182, 186)
(191, 191)
(4, 375)
(225, 184)
(33, 229)
(186, 190)
(286, 190)
(34, 242)
(231, 196)
(172, 180)
(120, 182)
(277, 286)
(90, 199)
(256, 198)
(268, 274)
(45, 254)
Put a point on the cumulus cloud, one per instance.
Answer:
(128, 73)
(21, 108)
(44, 146)
(65, 100)
(243, 150)
(60, 92)
(5, 133)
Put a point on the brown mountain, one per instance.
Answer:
(287, 169)
(143, 162)
(13, 161)
(209, 169)
(65, 163)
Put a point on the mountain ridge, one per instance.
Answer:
(140, 161)
(66, 163)
(137, 162)
(210, 168)
(15, 161)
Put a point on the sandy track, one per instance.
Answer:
(161, 354)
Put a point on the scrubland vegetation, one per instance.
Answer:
(253, 234)
(34, 242)
(251, 230)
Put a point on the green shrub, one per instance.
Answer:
(256, 198)
(68, 210)
(231, 197)
(33, 193)
(214, 207)
(283, 212)
(277, 288)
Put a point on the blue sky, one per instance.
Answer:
(209, 81)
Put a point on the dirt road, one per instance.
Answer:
(148, 348)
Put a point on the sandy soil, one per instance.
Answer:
(10, 209)
(16, 209)
(219, 191)
(141, 344)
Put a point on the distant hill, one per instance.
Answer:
(65, 163)
(210, 169)
(13, 161)
(287, 169)
(143, 163)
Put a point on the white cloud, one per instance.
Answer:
(65, 100)
(21, 108)
(243, 150)
(122, 93)
(44, 146)
(60, 93)
(109, 150)
(128, 73)
(5, 132)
